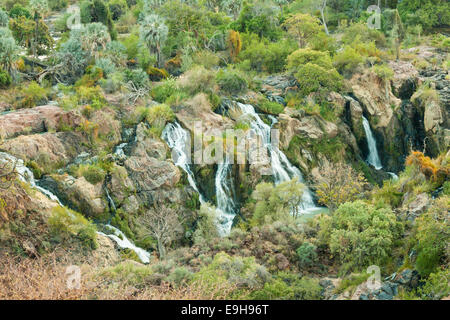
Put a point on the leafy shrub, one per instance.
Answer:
(271, 107)
(314, 78)
(244, 273)
(164, 90)
(196, 80)
(137, 77)
(262, 55)
(4, 18)
(300, 57)
(287, 286)
(432, 236)
(66, 223)
(108, 67)
(359, 234)
(231, 82)
(436, 286)
(57, 5)
(113, 83)
(92, 173)
(19, 11)
(33, 95)
(5, 79)
(206, 58)
(347, 60)
(206, 225)
(307, 254)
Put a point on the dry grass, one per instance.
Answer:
(45, 278)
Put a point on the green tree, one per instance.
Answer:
(4, 18)
(153, 32)
(359, 234)
(8, 49)
(303, 27)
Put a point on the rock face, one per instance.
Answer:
(78, 194)
(36, 120)
(154, 177)
(406, 79)
(52, 148)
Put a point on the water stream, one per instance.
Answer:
(27, 176)
(373, 158)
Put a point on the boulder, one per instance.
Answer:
(405, 80)
(36, 120)
(47, 148)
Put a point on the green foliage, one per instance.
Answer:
(137, 77)
(384, 72)
(314, 78)
(5, 79)
(33, 95)
(436, 286)
(206, 226)
(288, 286)
(8, 49)
(432, 235)
(348, 60)
(65, 223)
(97, 11)
(231, 82)
(4, 18)
(242, 272)
(91, 172)
(57, 5)
(271, 107)
(262, 55)
(164, 90)
(428, 13)
(153, 32)
(260, 18)
(108, 67)
(117, 8)
(275, 203)
(19, 11)
(359, 234)
(301, 57)
(307, 255)
(303, 27)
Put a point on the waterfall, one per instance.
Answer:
(179, 140)
(27, 176)
(373, 157)
(282, 169)
(123, 242)
(225, 209)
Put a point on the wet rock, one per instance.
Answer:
(405, 80)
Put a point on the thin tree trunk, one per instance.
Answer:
(322, 9)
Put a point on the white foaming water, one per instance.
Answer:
(123, 242)
(373, 157)
(225, 209)
(178, 139)
(27, 176)
(282, 169)
(393, 176)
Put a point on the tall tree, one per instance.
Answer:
(153, 32)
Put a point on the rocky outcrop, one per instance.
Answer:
(36, 120)
(153, 176)
(47, 148)
(77, 193)
(405, 80)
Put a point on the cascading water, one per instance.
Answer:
(282, 169)
(373, 157)
(226, 208)
(27, 176)
(178, 139)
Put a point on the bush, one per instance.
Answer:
(359, 234)
(266, 56)
(108, 67)
(314, 78)
(196, 80)
(164, 90)
(287, 286)
(4, 18)
(206, 59)
(300, 57)
(432, 236)
(271, 107)
(231, 82)
(206, 225)
(5, 79)
(347, 60)
(137, 77)
(33, 95)
(66, 223)
(307, 255)
(92, 173)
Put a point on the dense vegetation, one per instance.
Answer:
(137, 65)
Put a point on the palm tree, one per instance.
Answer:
(153, 32)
